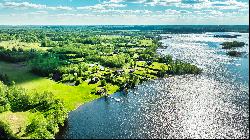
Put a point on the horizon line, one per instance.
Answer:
(122, 24)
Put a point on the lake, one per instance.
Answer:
(214, 104)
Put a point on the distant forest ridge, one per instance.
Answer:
(158, 28)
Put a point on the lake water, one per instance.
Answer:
(214, 104)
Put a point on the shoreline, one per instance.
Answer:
(130, 64)
(61, 131)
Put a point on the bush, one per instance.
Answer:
(78, 81)
(4, 102)
(103, 83)
(5, 131)
(50, 111)
(49, 106)
(18, 98)
(38, 128)
(5, 79)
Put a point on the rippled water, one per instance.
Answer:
(213, 104)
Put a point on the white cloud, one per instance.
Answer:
(216, 13)
(23, 5)
(208, 4)
(111, 4)
(60, 8)
(125, 12)
(161, 2)
(229, 4)
(172, 12)
(182, 10)
(185, 12)
(40, 12)
(27, 5)
(71, 15)
(114, 1)
(102, 6)
(130, 1)
(194, 4)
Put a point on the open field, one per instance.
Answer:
(24, 45)
(73, 96)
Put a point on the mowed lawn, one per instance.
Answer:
(73, 96)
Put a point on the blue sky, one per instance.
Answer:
(123, 12)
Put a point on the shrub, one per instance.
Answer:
(4, 102)
(18, 98)
(103, 83)
(49, 106)
(50, 111)
(5, 131)
(38, 128)
(5, 79)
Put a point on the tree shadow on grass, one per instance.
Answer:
(17, 72)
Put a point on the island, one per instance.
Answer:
(226, 36)
(232, 45)
(234, 53)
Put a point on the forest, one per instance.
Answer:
(47, 71)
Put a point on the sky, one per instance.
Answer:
(124, 12)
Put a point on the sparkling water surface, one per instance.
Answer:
(213, 104)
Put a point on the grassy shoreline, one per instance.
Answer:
(72, 96)
(17, 121)
(58, 72)
(19, 73)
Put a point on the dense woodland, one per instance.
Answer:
(103, 58)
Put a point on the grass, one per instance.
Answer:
(157, 66)
(73, 96)
(17, 44)
(140, 72)
(146, 42)
(111, 88)
(17, 120)
(140, 63)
